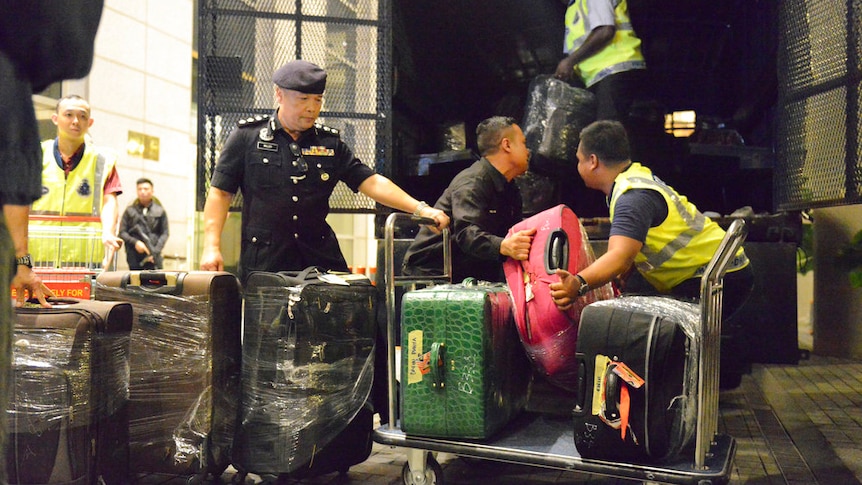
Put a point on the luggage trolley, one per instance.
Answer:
(68, 256)
(548, 441)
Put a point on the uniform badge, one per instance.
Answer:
(84, 189)
(266, 134)
(318, 151)
(270, 147)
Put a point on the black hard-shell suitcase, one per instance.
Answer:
(68, 413)
(637, 379)
(184, 367)
(307, 370)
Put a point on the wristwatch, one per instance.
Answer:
(584, 288)
(24, 261)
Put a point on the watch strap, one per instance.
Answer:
(584, 288)
(25, 260)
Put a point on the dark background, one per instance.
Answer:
(464, 60)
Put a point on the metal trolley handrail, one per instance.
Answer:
(392, 281)
(711, 300)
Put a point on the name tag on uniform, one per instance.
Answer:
(270, 147)
(318, 152)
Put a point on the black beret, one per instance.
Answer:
(301, 76)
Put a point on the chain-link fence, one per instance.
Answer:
(242, 42)
(818, 133)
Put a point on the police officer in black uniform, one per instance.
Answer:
(287, 165)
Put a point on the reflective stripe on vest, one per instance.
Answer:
(64, 242)
(682, 243)
(622, 54)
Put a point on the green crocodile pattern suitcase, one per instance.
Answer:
(464, 371)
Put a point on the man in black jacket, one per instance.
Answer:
(41, 42)
(482, 202)
(144, 229)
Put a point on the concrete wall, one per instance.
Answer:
(141, 81)
(837, 314)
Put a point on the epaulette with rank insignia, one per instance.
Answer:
(253, 120)
(326, 129)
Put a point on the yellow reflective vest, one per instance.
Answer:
(623, 53)
(69, 240)
(682, 244)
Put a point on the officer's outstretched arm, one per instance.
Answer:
(384, 191)
(215, 215)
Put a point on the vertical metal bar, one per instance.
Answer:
(389, 278)
(851, 135)
(711, 300)
(298, 46)
(390, 282)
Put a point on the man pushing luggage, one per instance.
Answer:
(653, 229)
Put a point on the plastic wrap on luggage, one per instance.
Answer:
(549, 335)
(307, 371)
(67, 404)
(171, 379)
(38, 354)
(554, 115)
(687, 315)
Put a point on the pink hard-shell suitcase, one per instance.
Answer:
(549, 335)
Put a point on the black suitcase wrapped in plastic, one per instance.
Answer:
(307, 370)
(554, 116)
(68, 409)
(637, 379)
(184, 367)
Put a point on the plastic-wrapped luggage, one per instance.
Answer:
(555, 114)
(68, 412)
(637, 388)
(464, 375)
(307, 370)
(184, 367)
(548, 334)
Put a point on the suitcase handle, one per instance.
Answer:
(163, 282)
(556, 251)
(582, 384)
(55, 301)
(438, 365)
(611, 396)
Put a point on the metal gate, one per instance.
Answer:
(242, 42)
(818, 111)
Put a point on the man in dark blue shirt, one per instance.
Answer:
(482, 202)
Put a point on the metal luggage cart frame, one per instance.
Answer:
(548, 441)
(69, 279)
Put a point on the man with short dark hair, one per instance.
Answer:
(653, 228)
(144, 229)
(80, 186)
(287, 166)
(656, 231)
(483, 202)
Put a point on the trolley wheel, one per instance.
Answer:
(433, 473)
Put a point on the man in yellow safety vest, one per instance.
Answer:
(80, 186)
(604, 52)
